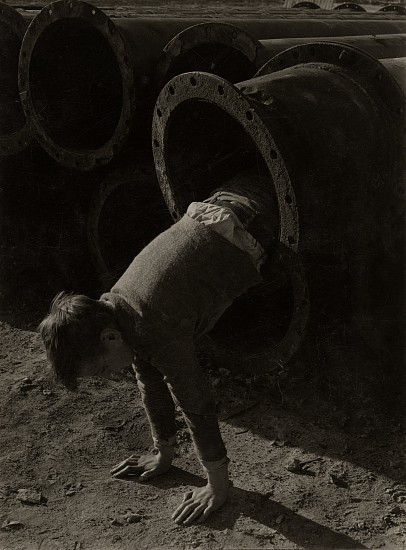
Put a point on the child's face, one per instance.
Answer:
(116, 356)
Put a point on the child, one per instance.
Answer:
(173, 291)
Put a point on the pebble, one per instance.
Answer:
(132, 518)
(279, 519)
(11, 524)
(338, 480)
(116, 522)
(30, 496)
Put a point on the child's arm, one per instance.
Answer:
(192, 393)
(160, 410)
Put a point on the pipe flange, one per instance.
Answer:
(365, 69)
(202, 34)
(393, 8)
(21, 138)
(76, 9)
(351, 6)
(213, 89)
(307, 5)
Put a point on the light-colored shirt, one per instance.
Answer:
(226, 223)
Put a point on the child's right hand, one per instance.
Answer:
(146, 466)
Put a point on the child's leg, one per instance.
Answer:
(251, 197)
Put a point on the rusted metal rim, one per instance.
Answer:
(77, 10)
(201, 34)
(393, 8)
(351, 6)
(366, 69)
(219, 92)
(17, 140)
(291, 263)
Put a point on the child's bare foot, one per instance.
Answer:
(146, 466)
(198, 504)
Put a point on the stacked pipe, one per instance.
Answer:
(95, 62)
(325, 124)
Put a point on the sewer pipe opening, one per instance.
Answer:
(207, 135)
(75, 84)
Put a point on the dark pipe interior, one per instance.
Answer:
(215, 58)
(132, 215)
(257, 321)
(76, 85)
(11, 114)
(205, 148)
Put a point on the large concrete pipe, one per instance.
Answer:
(192, 49)
(81, 75)
(381, 46)
(14, 133)
(324, 123)
(225, 10)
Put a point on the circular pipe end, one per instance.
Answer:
(393, 8)
(218, 48)
(14, 131)
(76, 84)
(212, 106)
(216, 97)
(366, 69)
(350, 6)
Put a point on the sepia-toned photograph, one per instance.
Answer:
(202, 275)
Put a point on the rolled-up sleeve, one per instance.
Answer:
(191, 391)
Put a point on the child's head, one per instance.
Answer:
(82, 338)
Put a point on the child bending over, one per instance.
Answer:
(173, 292)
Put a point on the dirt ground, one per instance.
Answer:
(316, 457)
(317, 451)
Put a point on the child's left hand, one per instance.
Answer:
(200, 503)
